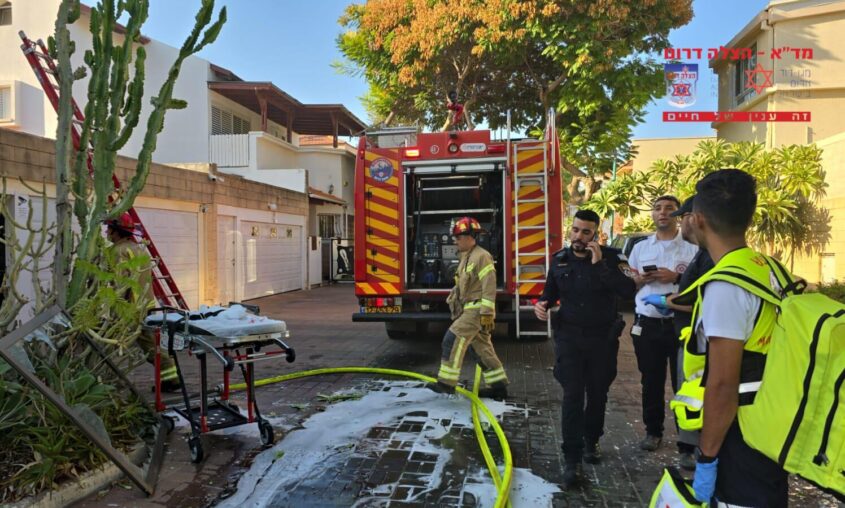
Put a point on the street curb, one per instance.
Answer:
(88, 484)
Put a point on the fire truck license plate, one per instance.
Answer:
(393, 309)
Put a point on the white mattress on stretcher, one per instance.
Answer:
(233, 321)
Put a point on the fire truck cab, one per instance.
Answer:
(411, 187)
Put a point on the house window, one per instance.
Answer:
(330, 226)
(5, 102)
(226, 122)
(5, 13)
(741, 91)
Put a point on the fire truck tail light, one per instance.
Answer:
(496, 149)
(412, 152)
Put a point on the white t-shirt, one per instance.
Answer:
(673, 254)
(727, 311)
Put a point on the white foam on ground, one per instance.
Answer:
(308, 451)
(527, 489)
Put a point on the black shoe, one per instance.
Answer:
(687, 461)
(571, 475)
(650, 443)
(496, 391)
(592, 453)
(439, 387)
(169, 386)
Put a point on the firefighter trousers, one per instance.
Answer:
(147, 343)
(464, 333)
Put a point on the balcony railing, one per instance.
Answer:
(230, 150)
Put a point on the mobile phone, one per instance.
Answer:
(650, 268)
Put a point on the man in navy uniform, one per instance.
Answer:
(587, 279)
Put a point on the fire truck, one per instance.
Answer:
(411, 187)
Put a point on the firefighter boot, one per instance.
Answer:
(496, 391)
(572, 472)
(439, 387)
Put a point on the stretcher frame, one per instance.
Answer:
(220, 413)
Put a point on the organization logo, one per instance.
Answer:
(381, 170)
(681, 80)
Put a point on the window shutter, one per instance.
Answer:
(216, 121)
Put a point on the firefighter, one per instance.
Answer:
(121, 232)
(587, 279)
(472, 303)
(456, 116)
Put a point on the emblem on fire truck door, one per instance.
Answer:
(381, 170)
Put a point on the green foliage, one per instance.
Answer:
(790, 180)
(112, 114)
(835, 290)
(587, 60)
(638, 224)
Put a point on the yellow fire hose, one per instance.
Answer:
(502, 483)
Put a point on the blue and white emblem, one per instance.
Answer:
(681, 80)
(381, 170)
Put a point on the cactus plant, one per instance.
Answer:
(112, 114)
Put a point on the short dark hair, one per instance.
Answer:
(588, 215)
(667, 197)
(727, 198)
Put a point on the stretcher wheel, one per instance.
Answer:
(291, 355)
(195, 445)
(168, 423)
(266, 430)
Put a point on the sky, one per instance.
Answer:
(293, 44)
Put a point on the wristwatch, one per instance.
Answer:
(705, 459)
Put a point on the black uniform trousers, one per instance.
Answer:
(655, 347)
(585, 367)
(746, 477)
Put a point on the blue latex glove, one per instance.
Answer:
(704, 482)
(659, 303)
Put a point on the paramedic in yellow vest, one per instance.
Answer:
(121, 232)
(728, 470)
(473, 306)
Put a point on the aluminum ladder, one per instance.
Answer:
(532, 250)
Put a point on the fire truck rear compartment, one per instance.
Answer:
(434, 201)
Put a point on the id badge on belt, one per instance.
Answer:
(637, 330)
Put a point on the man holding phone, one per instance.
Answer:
(586, 278)
(657, 263)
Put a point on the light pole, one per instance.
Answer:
(613, 212)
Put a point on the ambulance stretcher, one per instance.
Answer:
(235, 336)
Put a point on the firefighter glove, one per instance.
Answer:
(487, 322)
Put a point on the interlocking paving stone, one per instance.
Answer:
(323, 335)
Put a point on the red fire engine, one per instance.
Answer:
(410, 187)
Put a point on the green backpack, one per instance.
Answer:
(798, 416)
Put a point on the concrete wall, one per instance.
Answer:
(169, 188)
(833, 159)
(814, 84)
(650, 150)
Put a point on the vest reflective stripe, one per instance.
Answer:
(749, 387)
(486, 270)
(689, 401)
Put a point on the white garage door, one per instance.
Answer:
(176, 235)
(272, 257)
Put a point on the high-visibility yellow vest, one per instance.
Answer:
(688, 403)
(792, 383)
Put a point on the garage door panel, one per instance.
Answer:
(176, 235)
(272, 258)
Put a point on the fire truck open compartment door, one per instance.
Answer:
(437, 193)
